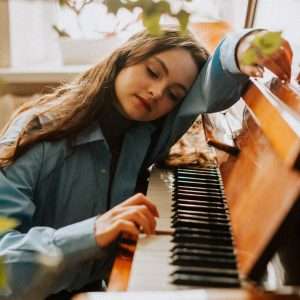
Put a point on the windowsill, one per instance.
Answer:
(41, 74)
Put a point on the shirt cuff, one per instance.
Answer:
(228, 50)
(78, 240)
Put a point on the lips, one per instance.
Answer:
(144, 103)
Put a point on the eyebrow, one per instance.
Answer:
(166, 70)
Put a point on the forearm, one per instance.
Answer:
(75, 244)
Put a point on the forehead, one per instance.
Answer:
(180, 64)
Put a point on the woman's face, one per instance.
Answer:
(151, 89)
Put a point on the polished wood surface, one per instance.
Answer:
(263, 185)
(287, 93)
(121, 268)
(275, 122)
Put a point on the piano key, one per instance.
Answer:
(187, 217)
(196, 194)
(182, 200)
(198, 189)
(208, 281)
(200, 208)
(222, 214)
(193, 183)
(208, 271)
(186, 245)
(200, 252)
(201, 238)
(199, 179)
(203, 261)
(197, 171)
(201, 215)
(183, 230)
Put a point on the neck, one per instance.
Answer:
(112, 122)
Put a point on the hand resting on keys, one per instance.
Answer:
(132, 216)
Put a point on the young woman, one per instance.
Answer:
(71, 161)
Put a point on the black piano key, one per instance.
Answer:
(206, 271)
(200, 198)
(185, 245)
(212, 215)
(200, 224)
(198, 172)
(201, 238)
(191, 214)
(196, 184)
(200, 207)
(205, 281)
(215, 232)
(198, 202)
(199, 177)
(206, 223)
(199, 182)
(202, 261)
(200, 252)
(201, 195)
(201, 191)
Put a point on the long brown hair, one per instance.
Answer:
(74, 106)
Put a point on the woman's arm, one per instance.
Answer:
(22, 247)
(82, 244)
(220, 82)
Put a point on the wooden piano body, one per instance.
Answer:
(262, 184)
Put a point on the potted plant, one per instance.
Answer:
(83, 49)
(80, 45)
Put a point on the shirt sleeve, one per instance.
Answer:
(23, 247)
(220, 83)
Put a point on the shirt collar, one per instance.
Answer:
(90, 134)
(93, 133)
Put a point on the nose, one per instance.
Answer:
(156, 91)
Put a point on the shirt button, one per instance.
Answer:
(103, 171)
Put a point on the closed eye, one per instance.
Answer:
(173, 97)
(152, 73)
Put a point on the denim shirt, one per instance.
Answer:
(56, 190)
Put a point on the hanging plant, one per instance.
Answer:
(151, 11)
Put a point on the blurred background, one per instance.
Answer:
(45, 42)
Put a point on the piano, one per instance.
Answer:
(230, 228)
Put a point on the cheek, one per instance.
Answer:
(166, 107)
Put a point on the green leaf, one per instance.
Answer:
(151, 22)
(249, 57)
(183, 19)
(7, 223)
(3, 278)
(113, 5)
(268, 43)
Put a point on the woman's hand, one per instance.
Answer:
(278, 61)
(136, 214)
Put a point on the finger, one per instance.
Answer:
(128, 228)
(141, 221)
(253, 71)
(141, 199)
(149, 217)
(136, 215)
